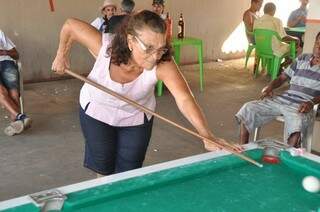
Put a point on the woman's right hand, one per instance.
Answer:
(60, 64)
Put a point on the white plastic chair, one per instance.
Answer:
(307, 140)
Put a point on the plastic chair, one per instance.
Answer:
(177, 43)
(307, 141)
(250, 48)
(159, 88)
(264, 52)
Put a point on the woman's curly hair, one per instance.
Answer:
(318, 36)
(119, 50)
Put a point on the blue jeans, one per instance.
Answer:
(110, 149)
(9, 75)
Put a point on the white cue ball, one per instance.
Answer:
(311, 184)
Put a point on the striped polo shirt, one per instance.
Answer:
(305, 81)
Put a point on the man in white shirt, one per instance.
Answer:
(249, 16)
(108, 10)
(9, 86)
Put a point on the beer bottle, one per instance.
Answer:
(169, 27)
(181, 27)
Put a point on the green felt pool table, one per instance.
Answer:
(208, 182)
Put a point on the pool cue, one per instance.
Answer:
(282, 143)
(225, 146)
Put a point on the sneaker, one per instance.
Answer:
(14, 128)
(25, 119)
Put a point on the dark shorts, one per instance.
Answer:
(9, 75)
(110, 149)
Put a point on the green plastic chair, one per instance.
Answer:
(264, 52)
(187, 41)
(250, 48)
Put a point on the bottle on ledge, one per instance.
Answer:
(169, 27)
(181, 27)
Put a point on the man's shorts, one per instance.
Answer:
(254, 114)
(9, 75)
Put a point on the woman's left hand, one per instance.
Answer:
(210, 146)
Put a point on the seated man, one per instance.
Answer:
(127, 7)
(9, 86)
(249, 16)
(298, 17)
(268, 21)
(295, 104)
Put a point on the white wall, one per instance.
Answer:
(35, 30)
(313, 25)
(313, 28)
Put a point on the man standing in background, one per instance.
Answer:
(249, 16)
(108, 9)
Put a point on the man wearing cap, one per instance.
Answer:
(158, 7)
(108, 9)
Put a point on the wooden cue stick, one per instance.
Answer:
(282, 143)
(225, 146)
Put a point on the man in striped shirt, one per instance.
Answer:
(295, 104)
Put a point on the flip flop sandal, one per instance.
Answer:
(14, 128)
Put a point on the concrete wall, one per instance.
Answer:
(313, 25)
(211, 20)
(35, 30)
(312, 29)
